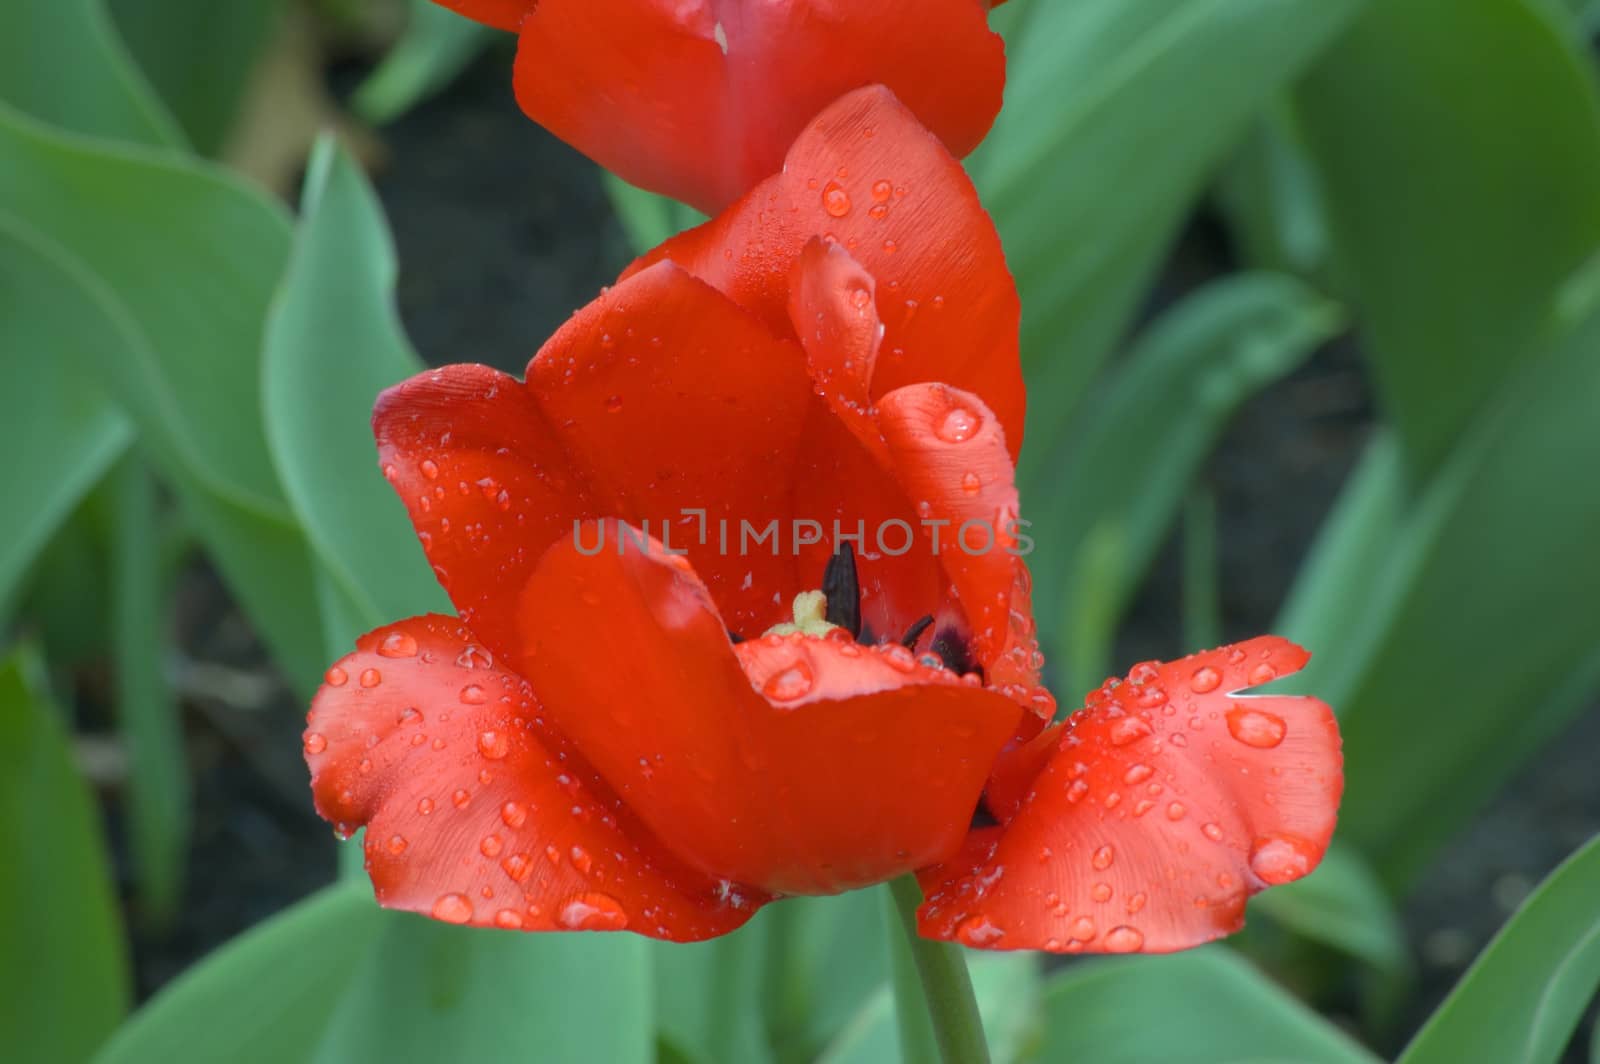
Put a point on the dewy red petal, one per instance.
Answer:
(865, 175)
(700, 100)
(476, 812)
(797, 764)
(1160, 808)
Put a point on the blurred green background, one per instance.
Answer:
(1312, 331)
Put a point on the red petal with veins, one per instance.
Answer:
(669, 396)
(866, 175)
(476, 812)
(501, 14)
(1163, 805)
(949, 453)
(486, 482)
(798, 765)
(699, 100)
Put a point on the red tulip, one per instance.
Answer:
(615, 735)
(699, 99)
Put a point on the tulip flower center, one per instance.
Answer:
(810, 610)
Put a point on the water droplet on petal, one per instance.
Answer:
(371, 678)
(430, 469)
(490, 846)
(473, 695)
(335, 677)
(315, 742)
(1083, 929)
(791, 683)
(971, 484)
(1176, 811)
(881, 190)
(509, 919)
(397, 844)
(1255, 727)
(1123, 939)
(958, 425)
(835, 200)
(1263, 673)
(493, 745)
(398, 645)
(425, 806)
(1212, 832)
(1280, 859)
(1205, 680)
(614, 404)
(452, 908)
(1138, 774)
(593, 912)
(978, 932)
(514, 814)
(1102, 858)
(1100, 892)
(1125, 730)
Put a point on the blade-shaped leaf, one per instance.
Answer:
(63, 422)
(65, 984)
(264, 998)
(1343, 905)
(1523, 997)
(199, 55)
(1481, 600)
(1456, 222)
(184, 257)
(1116, 112)
(1206, 1006)
(1129, 464)
(436, 46)
(430, 991)
(333, 343)
(63, 63)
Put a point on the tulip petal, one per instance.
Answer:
(478, 813)
(949, 452)
(700, 100)
(1163, 806)
(798, 765)
(866, 175)
(831, 306)
(501, 14)
(670, 397)
(486, 482)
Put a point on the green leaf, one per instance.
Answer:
(711, 995)
(1116, 112)
(62, 421)
(199, 55)
(466, 994)
(1504, 522)
(1521, 999)
(65, 984)
(62, 62)
(437, 45)
(1130, 463)
(1273, 205)
(1206, 1006)
(1007, 988)
(333, 343)
(647, 218)
(147, 710)
(182, 259)
(264, 998)
(1343, 905)
(1455, 224)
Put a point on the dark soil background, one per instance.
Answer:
(502, 233)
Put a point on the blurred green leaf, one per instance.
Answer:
(1269, 193)
(1116, 112)
(62, 62)
(436, 46)
(147, 710)
(1007, 988)
(1133, 455)
(711, 995)
(1458, 146)
(1522, 998)
(1505, 524)
(334, 342)
(58, 427)
(182, 258)
(199, 55)
(264, 998)
(1343, 905)
(1206, 1006)
(1202, 596)
(432, 992)
(64, 986)
(647, 219)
